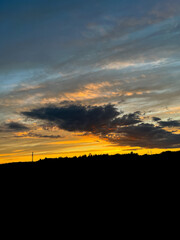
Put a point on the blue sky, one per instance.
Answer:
(38, 33)
(119, 52)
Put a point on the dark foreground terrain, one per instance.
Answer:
(100, 162)
(111, 174)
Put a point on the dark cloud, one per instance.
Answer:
(38, 135)
(106, 122)
(169, 123)
(128, 119)
(76, 117)
(95, 119)
(15, 127)
(145, 135)
(156, 119)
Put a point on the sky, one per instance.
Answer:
(80, 77)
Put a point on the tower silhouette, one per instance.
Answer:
(32, 156)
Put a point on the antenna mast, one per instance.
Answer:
(32, 156)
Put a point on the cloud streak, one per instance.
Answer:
(13, 127)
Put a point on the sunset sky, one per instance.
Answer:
(80, 77)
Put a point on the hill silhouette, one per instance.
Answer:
(99, 161)
(107, 174)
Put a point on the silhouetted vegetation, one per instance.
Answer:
(100, 161)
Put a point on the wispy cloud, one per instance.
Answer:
(120, 65)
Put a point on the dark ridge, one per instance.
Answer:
(99, 160)
(96, 174)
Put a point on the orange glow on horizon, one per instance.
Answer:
(85, 145)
